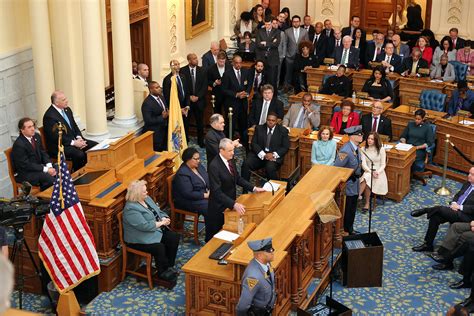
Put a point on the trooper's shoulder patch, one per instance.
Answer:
(341, 156)
(251, 282)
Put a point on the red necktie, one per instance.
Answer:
(231, 167)
(374, 126)
(32, 141)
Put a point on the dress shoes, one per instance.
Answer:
(460, 285)
(422, 248)
(168, 275)
(418, 212)
(354, 232)
(443, 266)
(438, 258)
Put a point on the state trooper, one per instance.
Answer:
(349, 157)
(258, 294)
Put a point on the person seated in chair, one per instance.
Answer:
(443, 71)
(270, 143)
(30, 161)
(145, 228)
(461, 99)
(376, 122)
(419, 134)
(303, 115)
(191, 184)
(378, 87)
(461, 209)
(411, 65)
(266, 104)
(339, 84)
(345, 118)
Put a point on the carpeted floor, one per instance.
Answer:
(410, 285)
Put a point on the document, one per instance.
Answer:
(226, 235)
(267, 187)
(104, 144)
(404, 147)
(466, 122)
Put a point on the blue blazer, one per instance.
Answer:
(188, 189)
(139, 223)
(468, 102)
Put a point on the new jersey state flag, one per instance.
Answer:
(176, 135)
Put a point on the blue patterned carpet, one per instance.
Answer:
(410, 285)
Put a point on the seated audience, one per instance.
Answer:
(423, 44)
(334, 41)
(376, 122)
(303, 115)
(461, 209)
(262, 106)
(244, 24)
(191, 183)
(155, 116)
(461, 99)
(445, 48)
(401, 49)
(214, 136)
(339, 84)
(432, 42)
(466, 56)
(328, 28)
(345, 118)
(378, 87)
(323, 150)
(29, 159)
(303, 60)
(145, 228)
(391, 62)
(458, 42)
(419, 134)
(443, 71)
(346, 54)
(412, 64)
(308, 26)
(246, 44)
(270, 143)
(360, 43)
(75, 145)
(375, 49)
(378, 181)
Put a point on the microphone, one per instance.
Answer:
(264, 179)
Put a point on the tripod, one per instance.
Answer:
(20, 279)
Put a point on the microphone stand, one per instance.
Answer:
(371, 187)
(263, 179)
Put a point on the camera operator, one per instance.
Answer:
(3, 241)
(30, 161)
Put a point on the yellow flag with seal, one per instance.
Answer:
(176, 135)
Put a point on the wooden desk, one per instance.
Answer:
(326, 103)
(410, 88)
(315, 76)
(462, 136)
(360, 77)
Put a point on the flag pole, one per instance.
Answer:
(60, 128)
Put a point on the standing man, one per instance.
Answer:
(75, 145)
(303, 115)
(195, 76)
(334, 42)
(142, 73)
(214, 80)
(214, 136)
(307, 25)
(346, 54)
(258, 294)
(328, 31)
(210, 57)
(262, 106)
(294, 36)
(376, 122)
(223, 177)
(349, 157)
(268, 40)
(30, 162)
(155, 116)
(281, 50)
(349, 30)
(319, 42)
(258, 79)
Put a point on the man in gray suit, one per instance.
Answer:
(303, 115)
(268, 40)
(400, 49)
(294, 36)
(258, 294)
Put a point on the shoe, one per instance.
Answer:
(422, 248)
(466, 302)
(438, 258)
(168, 275)
(174, 270)
(419, 212)
(365, 210)
(443, 266)
(460, 285)
(354, 232)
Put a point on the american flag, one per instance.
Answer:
(66, 244)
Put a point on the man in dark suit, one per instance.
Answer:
(270, 143)
(334, 41)
(214, 136)
(338, 84)
(319, 42)
(412, 64)
(155, 116)
(195, 76)
(183, 94)
(461, 209)
(458, 42)
(210, 57)
(346, 54)
(375, 48)
(236, 85)
(268, 40)
(75, 145)
(328, 31)
(308, 27)
(376, 122)
(223, 178)
(214, 80)
(262, 106)
(259, 79)
(349, 30)
(30, 162)
(390, 61)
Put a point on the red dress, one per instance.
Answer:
(336, 121)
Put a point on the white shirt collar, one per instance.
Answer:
(58, 109)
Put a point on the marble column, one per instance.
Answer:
(122, 50)
(93, 69)
(42, 54)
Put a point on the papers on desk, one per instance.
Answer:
(466, 122)
(366, 103)
(436, 80)
(318, 98)
(387, 147)
(403, 147)
(333, 67)
(337, 138)
(268, 186)
(226, 235)
(104, 144)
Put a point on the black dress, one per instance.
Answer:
(378, 92)
(300, 63)
(414, 19)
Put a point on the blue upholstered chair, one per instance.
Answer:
(432, 100)
(460, 70)
(325, 78)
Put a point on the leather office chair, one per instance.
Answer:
(432, 100)
(460, 70)
(11, 173)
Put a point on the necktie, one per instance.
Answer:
(263, 115)
(268, 32)
(301, 118)
(328, 32)
(337, 43)
(158, 99)
(255, 82)
(398, 50)
(388, 59)
(64, 115)
(413, 67)
(193, 80)
(454, 42)
(464, 196)
(32, 141)
(231, 167)
(374, 125)
(269, 138)
(239, 78)
(296, 35)
(180, 86)
(377, 51)
(344, 56)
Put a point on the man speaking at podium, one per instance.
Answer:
(223, 177)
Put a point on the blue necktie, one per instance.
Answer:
(464, 196)
(180, 87)
(63, 113)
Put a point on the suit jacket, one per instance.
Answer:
(252, 47)
(223, 186)
(353, 60)
(153, 120)
(408, 63)
(182, 95)
(370, 52)
(212, 139)
(189, 189)
(207, 59)
(200, 87)
(320, 46)
(50, 119)
(257, 107)
(341, 86)
(291, 43)
(139, 223)
(279, 142)
(395, 61)
(336, 121)
(331, 46)
(384, 125)
(460, 43)
(230, 86)
(347, 31)
(310, 32)
(468, 102)
(212, 75)
(263, 80)
(468, 205)
(449, 74)
(268, 52)
(25, 159)
(404, 51)
(312, 120)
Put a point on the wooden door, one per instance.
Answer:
(140, 40)
(275, 7)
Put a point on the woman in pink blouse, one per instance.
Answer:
(426, 51)
(466, 56)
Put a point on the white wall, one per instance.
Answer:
(297, 7)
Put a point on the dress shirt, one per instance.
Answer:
(463, 197)
(48, 165)
(61, 113)
(160, 102)
(296, 32)
(226, 163)
(262, 153)
(388, 59)
(378, 122)
(238, 75)
(263, 115)
(221, 70)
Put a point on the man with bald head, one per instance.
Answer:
(412, 64)
(346, 54)
(400, 49)
(75, 145)
(210, 57)
(333, 41)
(142, 73)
